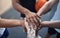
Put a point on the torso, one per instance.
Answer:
(29, 4)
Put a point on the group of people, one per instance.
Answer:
(27, 10)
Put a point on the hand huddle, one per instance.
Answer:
(33, 21)
(32, 25)
(31, 29)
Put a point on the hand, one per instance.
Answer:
(42, 24)
(45, 23)
(39, 27)
(33, 18)
(28, 27)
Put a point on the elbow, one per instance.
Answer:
(14, 4)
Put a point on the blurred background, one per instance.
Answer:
(8, 12)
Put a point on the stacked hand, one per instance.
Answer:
(31, 31)
(33, 19)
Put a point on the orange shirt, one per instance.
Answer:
(39, 4)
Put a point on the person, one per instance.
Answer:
(50, 14)
(52, 24)
(10, 23)
(27, 7)
(3, 32)
(52, 31)
(55, 18)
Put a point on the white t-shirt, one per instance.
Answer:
(57, 16)
(1, 30)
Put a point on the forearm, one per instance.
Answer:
(19, 7)
(10, 23)
(52, 24)
(46, 7)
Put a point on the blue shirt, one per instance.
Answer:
(57, 15)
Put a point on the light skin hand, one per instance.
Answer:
(33, 19)
(44, 9)
(11, 23)
(52, 24)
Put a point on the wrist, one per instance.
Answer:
(21, 23)
(26, 12)
(38, 14)
(44, 24)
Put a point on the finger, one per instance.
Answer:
(29, 23)
(25, 30)
(33, 22)
(39, 27)
(38, 21)
(38, 15)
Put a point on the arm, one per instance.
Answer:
(32, 17)
(46, 7)
(11, 23)
(52, 24)
(19, 7)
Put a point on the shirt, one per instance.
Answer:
(1, 30)
(29, 4)
(57, 16)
